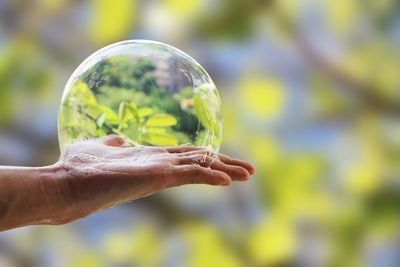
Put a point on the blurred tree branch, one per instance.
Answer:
(368, 94)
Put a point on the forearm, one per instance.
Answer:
(28, 196)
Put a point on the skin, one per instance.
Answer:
(97, 174)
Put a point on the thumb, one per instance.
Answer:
(113, 140)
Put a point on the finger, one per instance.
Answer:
(225, 159)
(196, 152)
(237, 173)
(194, 174)
(113, 140)
(199, 159)
(231, 161)
(180, 149)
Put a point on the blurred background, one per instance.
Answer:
(311, 95)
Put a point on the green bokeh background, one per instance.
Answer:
(311, 95)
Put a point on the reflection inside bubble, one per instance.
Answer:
(148, 92)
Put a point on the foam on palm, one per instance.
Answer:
(148, 92)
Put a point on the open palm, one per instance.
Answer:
(104, 172)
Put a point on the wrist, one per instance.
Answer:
(34, 195)
(63, 185)
(58, 199)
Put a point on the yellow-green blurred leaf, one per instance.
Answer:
(97, 110)
(81, 94)
(118, 246)
(161, 140)
(204, 102)
(263, 97)
(264, 150)
(161, 120)
(184, 8)
(272, 243)
(122, 112)
(156, 130)
(207, 108)
(341, 14)
(148, 248)
(126, 113)
(100, 120)
(366, 174)
(111, 20)
(87, 259)
(202, 112)
(133, 105)
(143, 112)
(363, 178)
(207, 248)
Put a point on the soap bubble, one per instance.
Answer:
(148, 92)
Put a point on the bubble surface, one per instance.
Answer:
(148, 92)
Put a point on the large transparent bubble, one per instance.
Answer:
(149, 92)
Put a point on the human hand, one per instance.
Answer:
(101, 173)
(96, 174)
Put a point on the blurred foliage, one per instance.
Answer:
(310, 91)
(21, 79)
(264, 97)
(111, 19)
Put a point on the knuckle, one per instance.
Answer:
(196, 170)
(175, 161)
